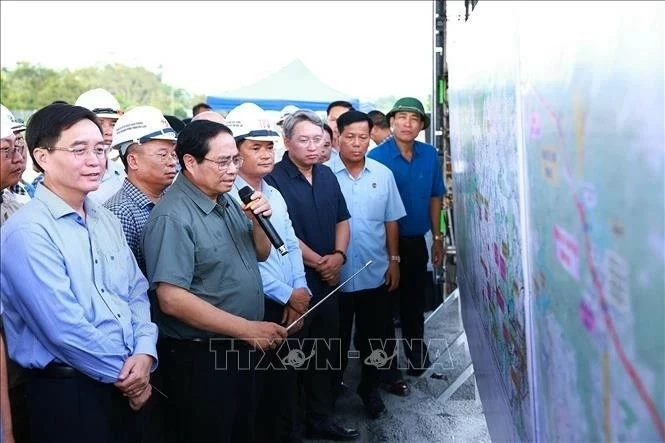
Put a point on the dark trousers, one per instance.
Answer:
(18, 399)
(323, 344)
(374, 333)
(151, 418)
(78, 409)
(211, 391)
(277, 388)
(413, 277)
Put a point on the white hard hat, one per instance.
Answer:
(140, 125)
(247, 107)
(101, 102)
(6, 129)
(16, 125)
(251, 125)
(286, 111)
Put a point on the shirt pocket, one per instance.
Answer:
(212, 265)
(374, 207)
(115, 265)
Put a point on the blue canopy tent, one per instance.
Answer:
(294, 84)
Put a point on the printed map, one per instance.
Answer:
(594, 138)
(486, 179)
(558, 143)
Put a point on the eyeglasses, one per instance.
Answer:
(165, 157)
(80, 151)
(8, 152)
(305, 141)
(223, 165)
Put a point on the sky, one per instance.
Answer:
(366, 49)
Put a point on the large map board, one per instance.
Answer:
(557, 132)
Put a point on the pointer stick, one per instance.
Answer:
(155, 388)
(326, 297)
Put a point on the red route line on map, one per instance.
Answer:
(630, 369)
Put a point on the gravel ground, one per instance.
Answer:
(422, 417)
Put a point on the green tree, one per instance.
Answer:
(30, 87)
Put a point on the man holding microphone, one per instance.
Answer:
(201, 250)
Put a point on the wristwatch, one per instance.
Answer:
(395, 258)
(438, 237)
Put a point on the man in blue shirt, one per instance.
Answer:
(11, 159)
(419, 178)
(76, 308)
(375, 206)
(320, 220)
(283, 277)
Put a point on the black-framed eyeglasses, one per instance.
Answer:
(81, 151)
(223, 165)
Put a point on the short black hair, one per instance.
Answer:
(379, 119)
(199, 107)
(194, 139)
(353, 116)
(342, 103)
(46, 126)
(329, 130)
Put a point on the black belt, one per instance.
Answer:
(57, 370)
(198, 342)
(186, 340)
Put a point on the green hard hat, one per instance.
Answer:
(409, 104)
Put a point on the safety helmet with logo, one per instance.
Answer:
(16, 125)
(140, 125)
(251, 125)
(6, 129)
(101, 102)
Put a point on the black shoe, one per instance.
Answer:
(374, 405)
(328, 430)
(399, 388)
(419, 372)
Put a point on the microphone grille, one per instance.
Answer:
(245, 194)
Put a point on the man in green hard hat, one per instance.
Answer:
(419, 178)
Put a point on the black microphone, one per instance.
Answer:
(245, 195)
